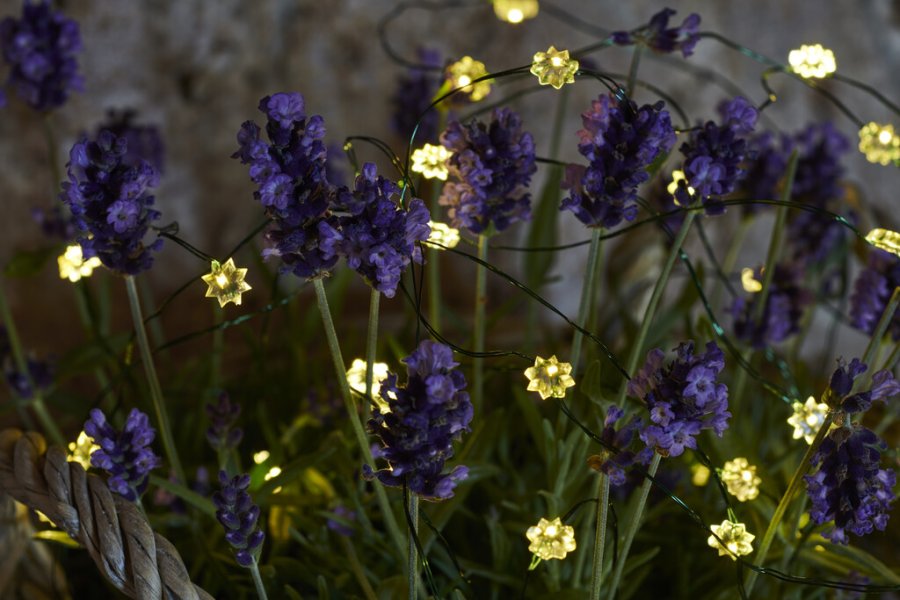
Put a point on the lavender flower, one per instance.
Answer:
(40, 373)
(425, 417)
(222, 417)
(54, 223)
(292, 186)
(781, 315)
(415, 92)
(126, 455)
(339, 527)
(109, 202)
(614, 464)
(143, 142)
(765, 170)
(683, 398)
(238, 515)
(884, 386)
(848, 486)
(659, 37)
(376, 236)
(620, 140)
(872, 291)
(40, 49)
(492, 165)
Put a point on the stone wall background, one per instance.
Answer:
(197, 69)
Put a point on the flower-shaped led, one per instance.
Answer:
(549, 377)
(226, 282)
(431, 161)
(356, 377)
(443, 234)
(551, 539)
(463, 72)
(812, 62)
(807, 419)
(740, 478)
(73, 266)
(80, 450)
(887, 240)
(515, 11)
(554, 67)
(879, 143)
(749, 281)
(735, 539)
(677, 177)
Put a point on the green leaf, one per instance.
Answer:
(542, 230)
(26, 263)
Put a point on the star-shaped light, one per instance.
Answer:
(515, 11)
(356, 377)
(887, 240)
(807, 419)
(226, 282)
(549, 377)
(80, 450)
(812, 62)
(735, 538)
(72, 265)
(749, 281)
(677, 178)
(740, 478)
(551, 539)
(463, 72)
(431, 161)
(879, 143)
(443, 234)
(554, 67)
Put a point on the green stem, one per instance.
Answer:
(883, 323)
(412, 556)
(257, 581)
(196, 500)
(357, 569)
(892, 360)
(159, 403)
(600, 537)
(731, 256)
(37, 400)
(352, 411)
(480, 323)
(634, 525)
(633, 70)
(434, 288)
(588, 294)
(371, 344)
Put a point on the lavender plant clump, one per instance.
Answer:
(424, 418)
(238, 514)
(126, 455)
(142, 142)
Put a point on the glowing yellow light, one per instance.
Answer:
(699, 474)
(740, 478)
(549, 377)
(677, 176)
(431, 161)
(812, 62)
(749, 281)
(735, 537)
(554, 67)
(879, 143)
(807, 419)
(261, 457)
(72, 265)
(515, 11)
(272, 473)
(551, 539)
(443, 234)
(466, 70)
(887, 240)
(226, 282)
(80, 450)
(356, 377)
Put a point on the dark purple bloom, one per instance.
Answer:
(54, 223)
(238, 514)
(781, 315)
(340, 527)
(222, 434)
(40, 373)
(658, 36)
(765, 171)
(109, 202)
(714, 153)
(884, 386)
(872, 291)
(40, 49)
(620, 141)
(614, 464)
(683, 398)
(492, 166)
(849, 487)
(126, 455)
(143, 142)
(290, 172)
(415, 92)
(425, 417)
(374, 234)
